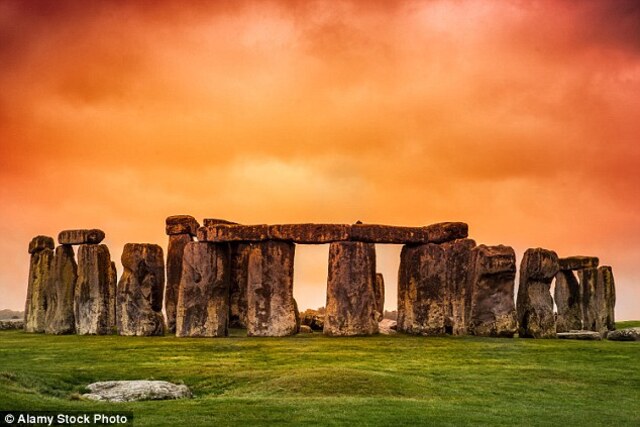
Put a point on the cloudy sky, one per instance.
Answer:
(517, 117)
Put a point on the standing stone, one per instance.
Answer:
(40, 274)
(175, 252)
(352, 306)
(379, 293)
(270, 304)
(238, 285)
(493, 280)
(113, 288)
(535, 304)
(93, 294)
(567, 296)
(140, 291)
(60, 317)
(422, 292)
(605, 278)
(458, 258)
(181, 224)
(588, 278)
(203, 300)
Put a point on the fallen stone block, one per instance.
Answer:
(580, 335)
(626, 334)
(131, 391)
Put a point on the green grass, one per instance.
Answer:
(312, 380)
(628, 324)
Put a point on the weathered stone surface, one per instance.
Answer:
(40, 275)
(93, 298)
(304, 329)
(270, 305)
(81, 237)
(238, 285)
(60, 318)
(113, 288)
(458, 259)
(387, 327)
(379, 294)
(140, 291)
(493, 281)
(39, 243)
(626, 334)
(567, 296)
(175, 251)
(309, 233)
(607, 284)
(214, 221)
(182, 224)
(351, 299)
(422, 290)
(375, 233)
(580, 335)
(222, 233)
(578, 262)
(446, 231)
(8, 324)
(535, 304)
(313, 318)
(588, 278)
(203, 301)
(130, 391)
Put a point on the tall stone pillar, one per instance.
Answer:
(40, 274)
(352, 306)
(271, 309)
(203, 299)
(379, 293)
(535, 304)
(93, 296)
(458, 259)
(140, 291)
(606, 282)
(60, 318)
(493, 280)
(181, 230)
(567, 296)
(588, 278)
(238, 285)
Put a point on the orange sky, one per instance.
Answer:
(520, 118)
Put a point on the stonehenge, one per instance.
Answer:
(227, 275)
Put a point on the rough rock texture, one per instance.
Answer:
(93, 297)
(446, 231)
(567, 296)
(175, 251)
(535, 304)
(271, 308)
(580, 335)
(40, 275)
(606, 282)
(130, 391)
(39, 243)
(379, 294)
(422, 290)
(304, 329)
(181, 224)
(60, 318)
(222, 233)
(238, 285)
(578, 262)
(203, 300)
(140, 291)
(309, 233)
(374, 233)
(214, 221)
(458, 259)
(80, 237)
(351, 299)
(8, 324)
(493, 280)
(387, 326)
(591, 299)
(313, 319)
(626, 334)
(113, 288)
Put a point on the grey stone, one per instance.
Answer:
(568, 299)
(140, 291)
(238, 285)
(60, 318)
(93, 296)
(446, 232)
(458, 259)
(580, 335)
(351, 299)
(224, 233)
(215, 221)
(203, 300)
(130, 391)
(591, 299)
(39, 243)
(309, 233)
(626, 334)
(607, 284)
(578, 262)
(493, 281)
(375, 233)
(535, 304)
(379, 294)
(175, 251)
(40, 277)
(270, 304)
(9, 324)
(314, 319)
(181, 224)
(387, 326)
(81, 237)
(304, 329)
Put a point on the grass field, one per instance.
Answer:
(313, 380)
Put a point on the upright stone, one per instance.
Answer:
(588, 278)
(203, 300)
(458, 258)
(567, 296)
(113, 288)
(140, 291)
(493, 281)
(40, 274)
(352, 306)
(379, 293)
(181, 224)
(422, 290)
(175, 252)
(60, 317)
(93, 296)
(605, 277)
(238, 285)
(270, 304)
(535, 304)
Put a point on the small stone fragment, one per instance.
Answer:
(304, 329)
(387, 327)
(130, 391)
(81, 237)
(60, 318)
(578, 262)
(181, 224)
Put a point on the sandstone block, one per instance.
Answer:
(458, 259)
(578, 262)
(203, 300)
(535, 304)
(222, 233)
(215, 221)
(238, 285)
(39, 243)
(351, 299)
(592, 299)
(93, 298)
(60, 318)
(175, 252)
(607, 284)
(580, 335)
(374, 233)
(40, 277)
(182, 224)
(568, 299)
(80, 237)
(140, 291)
(626, 334)
(379, 294)
(130, 391)
(309, 233)
(446, 231)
